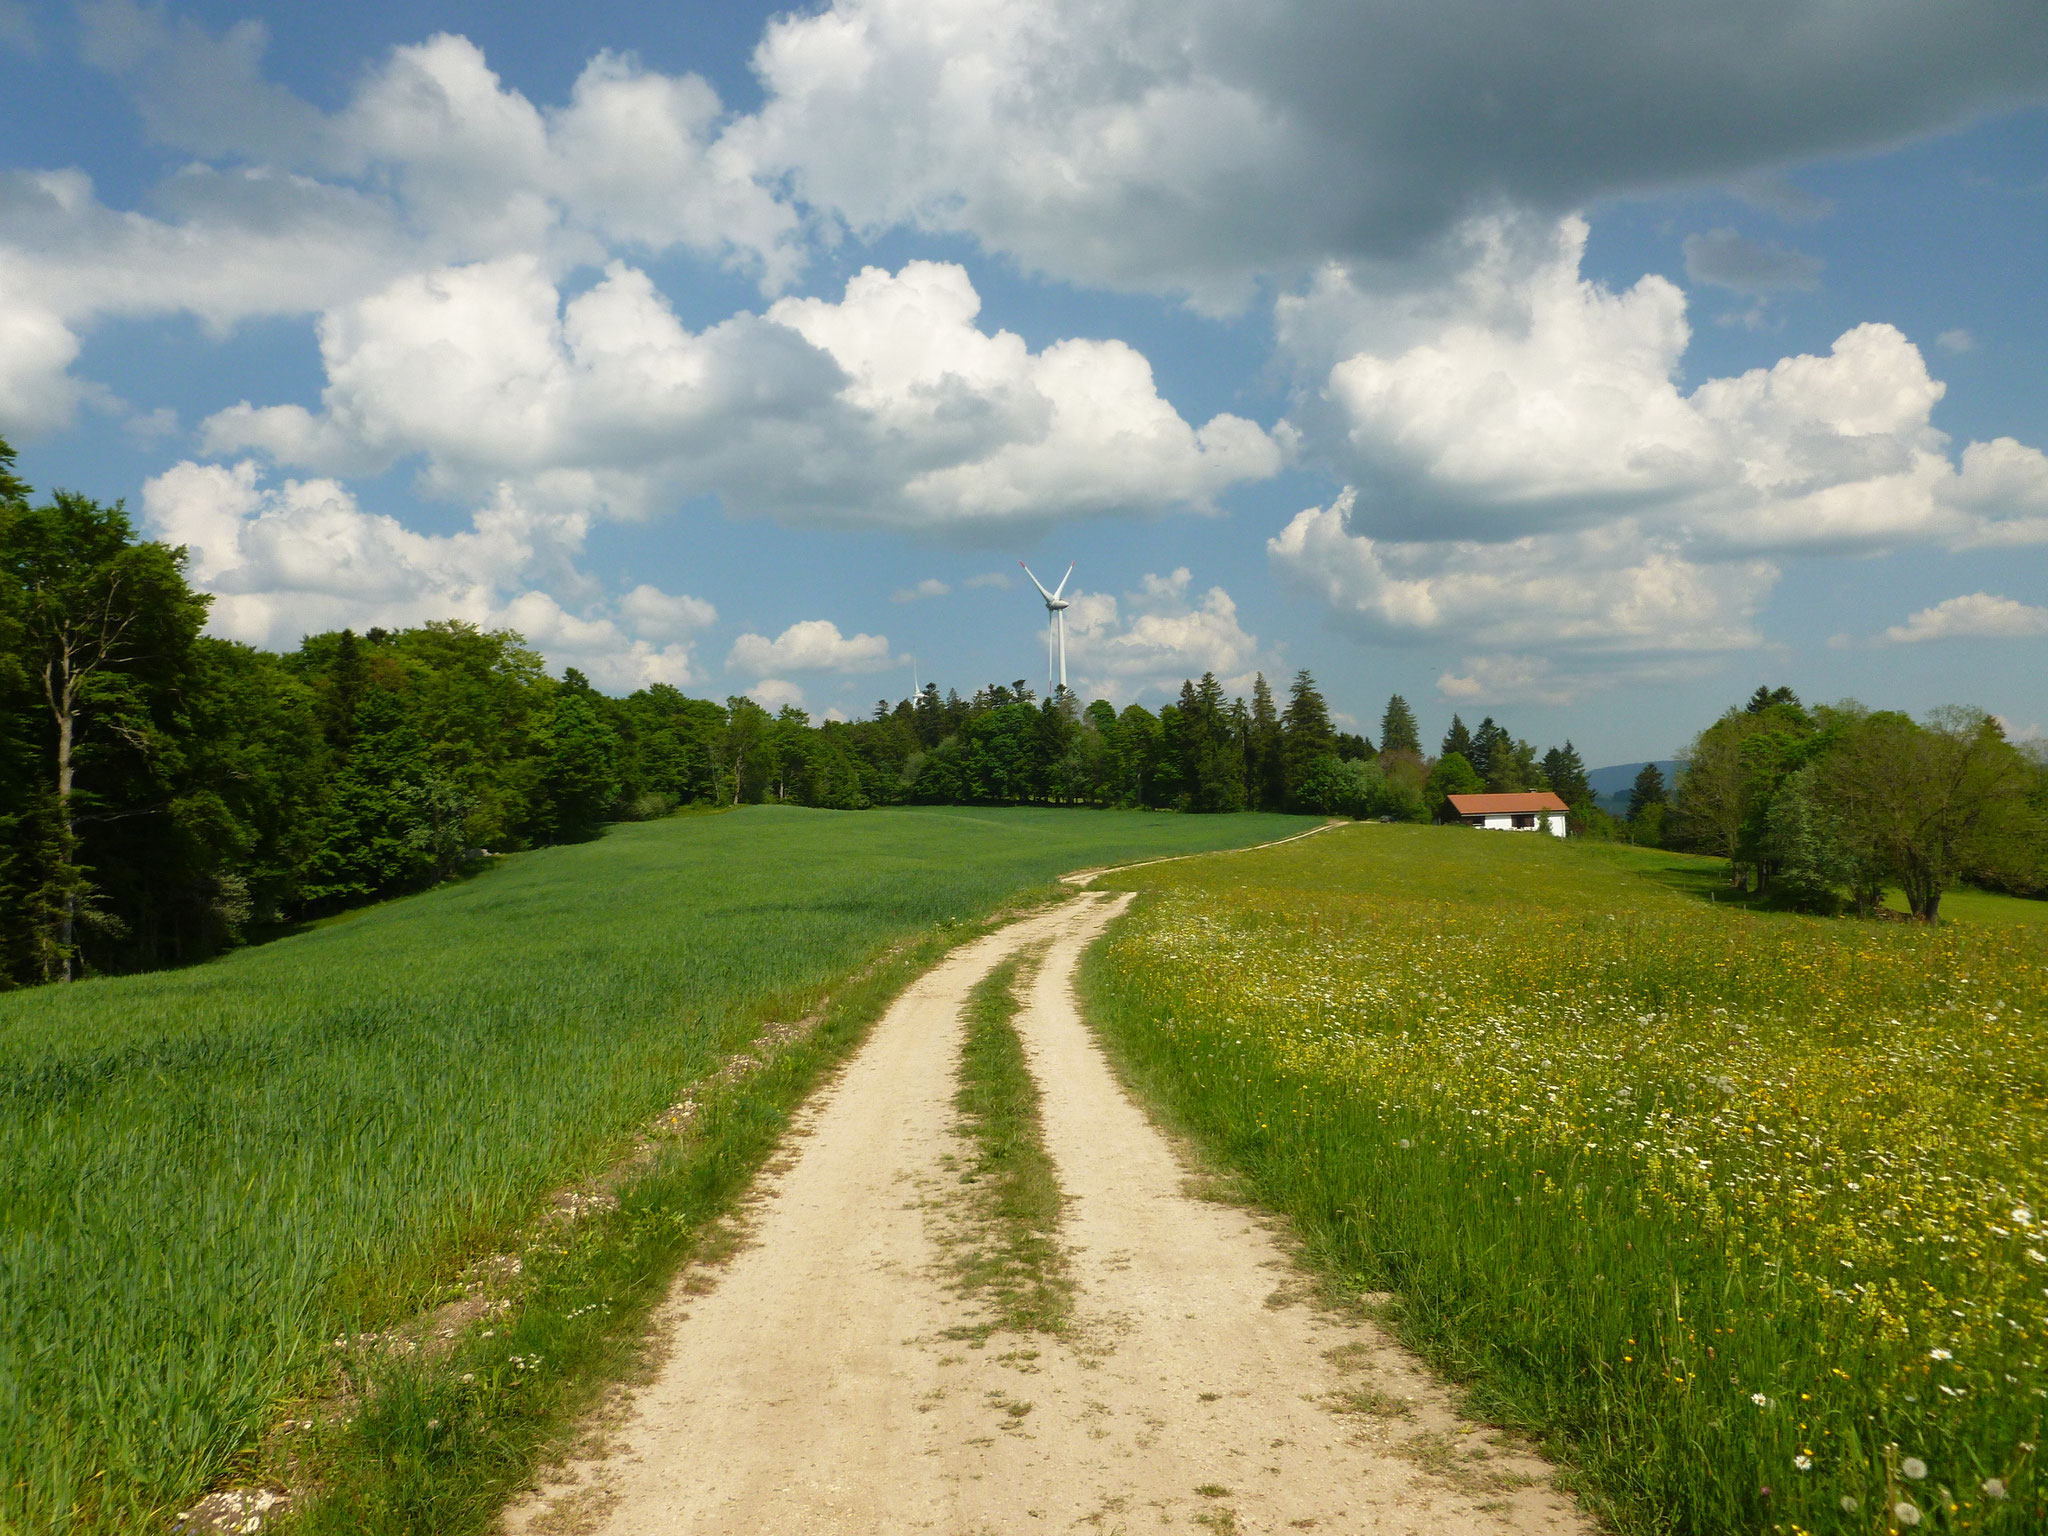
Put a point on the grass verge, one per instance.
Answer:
(440, 1447)
(1011, 1251)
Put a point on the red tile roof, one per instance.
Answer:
(1506, 805)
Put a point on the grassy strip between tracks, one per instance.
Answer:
(1741, 1212)
(1011, 1252)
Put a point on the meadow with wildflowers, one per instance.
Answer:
(1746, 1213)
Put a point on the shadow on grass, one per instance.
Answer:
(1700, 876)
(290, 928)
(1705, 878)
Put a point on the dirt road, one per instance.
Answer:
(824, 1385)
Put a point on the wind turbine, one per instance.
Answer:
(1055, 626)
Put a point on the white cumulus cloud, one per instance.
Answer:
(812, 645)
(432, 162)
(294, 559)
(1529, 476)
(1974, 616)
(889, 407)
(1519, 678)
(773, 693)
(1519, 397)
(1611, 588)
(476, 168)
(663, 615)
(1156, 638)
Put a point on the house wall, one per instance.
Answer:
(1552, 822)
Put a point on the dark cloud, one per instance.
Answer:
(1193, 143)
(1788, 200)
(195, 91)
(1728, 259)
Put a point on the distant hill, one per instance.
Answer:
(1611, 785)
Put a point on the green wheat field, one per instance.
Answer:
(212, 1173)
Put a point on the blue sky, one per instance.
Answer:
(1579, 367)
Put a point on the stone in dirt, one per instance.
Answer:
(240, 1511)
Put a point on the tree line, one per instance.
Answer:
(165, 794)
(1826, 808)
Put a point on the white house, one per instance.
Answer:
(1536, 811)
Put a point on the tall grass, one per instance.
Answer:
(212, 1172)
(437, 1446)
(1745, 1210)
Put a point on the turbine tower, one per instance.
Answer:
(1055, 630)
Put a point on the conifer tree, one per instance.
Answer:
(1764, 698)
(371, 834)
(1487, 742)
(1305, 734)
(931, 716)
(1457, 739)
(1398, 731)
(1212, 762)
(1512, 766)
(1648, 790)
(1566, 772)
(1265, 772)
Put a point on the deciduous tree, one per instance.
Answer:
(1452, 775)
(1931, 802)
(105, 627)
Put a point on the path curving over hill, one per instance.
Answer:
(829, 1380)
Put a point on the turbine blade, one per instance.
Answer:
(1037, 583)
(1056, 591)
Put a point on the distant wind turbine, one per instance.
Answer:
(1055, 629)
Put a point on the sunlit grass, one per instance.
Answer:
(213, 1172)
(1746, 1207)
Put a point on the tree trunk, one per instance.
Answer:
(1923, 893)
(61, 700)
